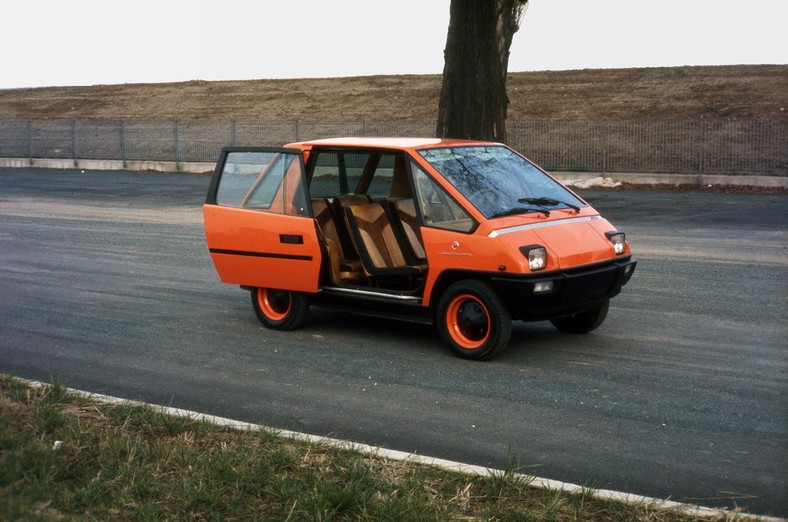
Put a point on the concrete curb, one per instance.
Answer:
(457, 467)
(93, 164)
(206, 167)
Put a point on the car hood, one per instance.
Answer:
(570, 242)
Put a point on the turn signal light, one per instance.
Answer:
(543, 286)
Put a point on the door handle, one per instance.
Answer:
(291, 239)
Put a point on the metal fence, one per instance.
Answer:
(677, 147)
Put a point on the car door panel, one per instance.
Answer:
(257, 225)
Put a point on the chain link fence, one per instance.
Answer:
(746, 148)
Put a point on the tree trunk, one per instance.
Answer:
(473, 99)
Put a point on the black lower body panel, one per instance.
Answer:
(572, 291)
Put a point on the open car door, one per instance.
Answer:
(257, 221)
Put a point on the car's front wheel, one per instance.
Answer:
(279, 309)
(583, 322)
(473, 320)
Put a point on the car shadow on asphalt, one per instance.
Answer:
(528, 340)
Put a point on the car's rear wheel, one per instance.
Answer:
(583, 322)
(279, 309)
(473, 320)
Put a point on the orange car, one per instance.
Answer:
(464, 234)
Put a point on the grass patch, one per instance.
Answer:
(64, 457)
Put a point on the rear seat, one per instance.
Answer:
(373, 239)
(383, 254)
(339, 204)
(342, 269)
(404, 212)
(403, 209)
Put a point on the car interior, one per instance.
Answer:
(364, 208)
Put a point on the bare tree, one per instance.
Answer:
(473, 99)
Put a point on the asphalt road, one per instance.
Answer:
(106, 284)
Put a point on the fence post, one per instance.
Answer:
(702, 148)
(30, 142)
(74, 142)
(514, 138)
(123, 151)
(234, 133)
(605, 151)
(177, 145)
(296, 124)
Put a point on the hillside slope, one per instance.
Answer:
(740, 92)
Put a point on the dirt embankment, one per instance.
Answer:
(736, 92)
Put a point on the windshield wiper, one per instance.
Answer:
(545, 201)
(520, 210)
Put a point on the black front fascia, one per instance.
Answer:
(573, 290)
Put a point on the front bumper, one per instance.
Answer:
(572, 290)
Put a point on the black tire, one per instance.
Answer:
(473, 320)
(279, 309)
(582, 322)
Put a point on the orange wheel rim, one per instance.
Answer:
(275, 304)
(468, 321)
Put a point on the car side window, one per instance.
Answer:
(267, 181)
(380, 184)
(355, 163)
(325, 175)
(335, 173)
(438, 209)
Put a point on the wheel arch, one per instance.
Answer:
(448, 277)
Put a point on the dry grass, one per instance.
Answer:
(675, 93)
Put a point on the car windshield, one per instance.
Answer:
(499, 182)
